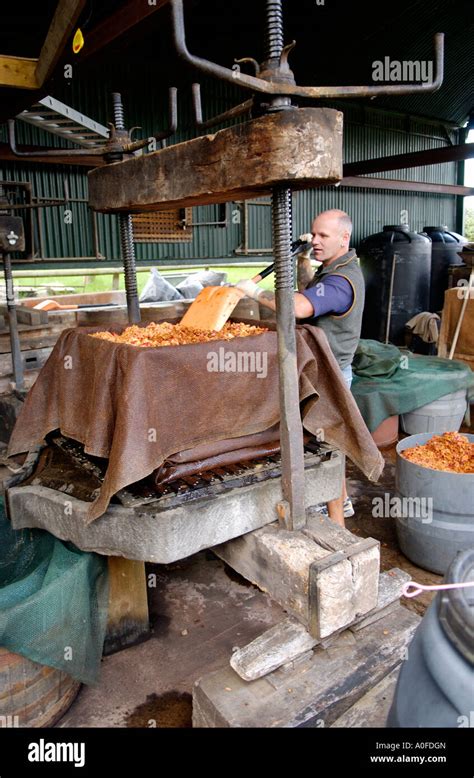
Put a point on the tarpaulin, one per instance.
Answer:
(138, 406)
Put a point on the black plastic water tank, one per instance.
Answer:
(445, 245)
(435, 686)
(396, 264)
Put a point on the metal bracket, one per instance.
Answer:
(278, 87)
(237, 110)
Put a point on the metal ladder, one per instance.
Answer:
(60, 119)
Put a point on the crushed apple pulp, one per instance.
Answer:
(166, 334)
(450, 451)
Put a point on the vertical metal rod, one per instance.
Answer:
(274, 29)
(292, 510)
(39, 212)
(95, 234)
(390, 299)
(13, 324)
(31, 223)
(128, 256)
(119, 119)
(126, 234)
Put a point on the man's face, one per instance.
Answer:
(329, 242)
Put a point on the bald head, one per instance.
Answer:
(341, 218)
(331, 232)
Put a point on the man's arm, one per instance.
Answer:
(303, 307)
(304, 272)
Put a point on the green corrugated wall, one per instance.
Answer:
(367, 133)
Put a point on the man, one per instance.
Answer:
(332, 299)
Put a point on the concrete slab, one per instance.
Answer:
(152, 534)
(199, 611)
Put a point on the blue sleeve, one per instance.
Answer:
(333, 295)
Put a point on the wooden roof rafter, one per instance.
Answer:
(30, 73)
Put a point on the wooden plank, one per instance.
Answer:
(25, 315)
(312, 693)
(407, 186)
(62, 25)
(278, 561)
(364, 559)
(18, 72)
(278, 645)
(81, 298)
(290, 639)
(7, 384)
(412, 159)
(31, 332)
(372, 709)
(128, 619)
(32, 359)
(30, 343)
(6, 154)
(389, 593)
(301, 147)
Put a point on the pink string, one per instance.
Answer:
(419, 588)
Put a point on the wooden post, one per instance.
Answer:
(128, 621)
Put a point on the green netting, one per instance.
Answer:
(53, 601)
(418, 380)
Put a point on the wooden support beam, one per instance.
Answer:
(300, 148)
(412, 159)
(62, 25)
(326, 590)
(407, 186)
(26, 315)
(18, 72)
(87, 161)
(25, 73)
(128, 621)
(290, 640)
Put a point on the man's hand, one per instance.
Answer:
(248, 287)
(304, 268)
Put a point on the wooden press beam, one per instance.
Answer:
(24, 73)
(301, 148)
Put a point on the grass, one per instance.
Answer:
(104, 283)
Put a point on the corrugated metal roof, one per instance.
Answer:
(337, 43)
(455, 99)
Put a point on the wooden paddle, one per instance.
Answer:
(214, 304)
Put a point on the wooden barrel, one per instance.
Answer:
(32, 695)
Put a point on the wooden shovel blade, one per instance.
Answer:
(212, 307)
